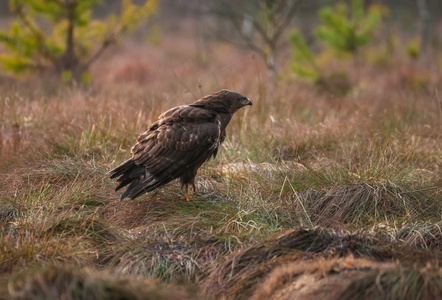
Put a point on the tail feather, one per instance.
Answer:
(139, 179)
(151, 183)
(129, 173)
(123, 183)
(141, 188)
(122, 169)
(134, 172)
(134, 183)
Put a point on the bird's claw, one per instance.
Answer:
(188, 198)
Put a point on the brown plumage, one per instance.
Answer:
(183, 138)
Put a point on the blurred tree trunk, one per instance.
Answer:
(69, 61)
(258, 24)
(425, 25)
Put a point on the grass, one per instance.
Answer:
(247, 273)
(403, 283)
(340, 195)
(53, 282)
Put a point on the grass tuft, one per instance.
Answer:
(241, 271)
(55, 282)
(402, 283)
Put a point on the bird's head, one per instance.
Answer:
(224, 101)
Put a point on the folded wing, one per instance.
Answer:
(183, 137)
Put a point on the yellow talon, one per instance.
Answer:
(186, 196)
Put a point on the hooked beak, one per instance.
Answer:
(249, 103)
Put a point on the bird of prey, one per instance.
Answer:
(183, 138)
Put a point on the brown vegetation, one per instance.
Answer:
(261, 270)
(350, 185)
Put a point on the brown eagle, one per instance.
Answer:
(183, 138)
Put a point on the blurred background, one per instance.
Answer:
(288, 39)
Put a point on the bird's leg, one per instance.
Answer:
(186, 196)
(194, 187)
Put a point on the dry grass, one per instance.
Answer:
(260, 270)
(314, 279)
(349, 278)
(399, 283)
(368, 162)
(55, 282)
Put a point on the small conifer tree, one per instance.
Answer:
(303, 60)
(61, 36)
(346, 29)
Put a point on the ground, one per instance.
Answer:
(313, 193)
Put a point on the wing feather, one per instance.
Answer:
(182, 138)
